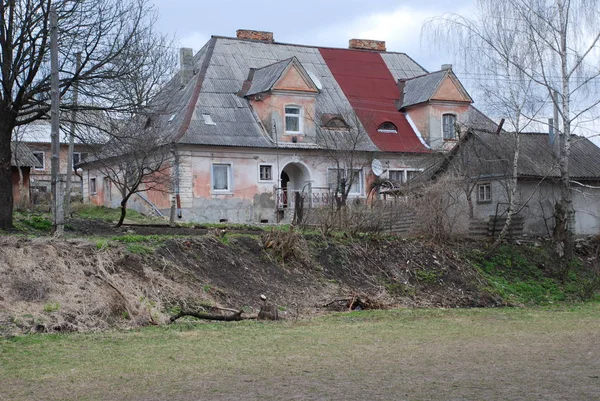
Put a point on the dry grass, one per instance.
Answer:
(75, 286)
(493, 354)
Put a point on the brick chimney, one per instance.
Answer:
(367, 44)
(260, 36)
(186, 65)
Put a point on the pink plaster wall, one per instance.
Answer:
(449, 91)
(293, 81)
(420, 116)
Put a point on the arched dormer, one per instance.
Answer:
(387, 127)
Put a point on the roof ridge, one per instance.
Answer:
(198, 87)
(311, 46)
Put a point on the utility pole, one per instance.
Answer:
(72, 137)
(57, 198)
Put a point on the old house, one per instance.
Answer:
(484, 161)
(244, 116)
(22, 161)
(36, 136)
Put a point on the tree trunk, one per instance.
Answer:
(123, 211)
(563, 237)
(512, 199)
(7, 122)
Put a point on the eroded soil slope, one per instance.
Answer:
(53, 285)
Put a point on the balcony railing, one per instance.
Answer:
(311, 197)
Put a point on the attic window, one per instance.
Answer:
(388, 128)
(336, 122)
(208, 120)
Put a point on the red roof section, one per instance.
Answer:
(373, 92)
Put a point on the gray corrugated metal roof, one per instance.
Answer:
(537, 157)
(421, 89)
(401, 66)
(264, 78)
(227, 62)
(23, 155)
(235, 123)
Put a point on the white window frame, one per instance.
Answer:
(387, 131)
(300, 117)
(454, 136)
(401, 171)
(94, 190)
(272, 172)
(405, 172)
(229, 188)
(43, 160)
(360, 181)
(487, 192)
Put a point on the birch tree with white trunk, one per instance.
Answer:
(561, 39)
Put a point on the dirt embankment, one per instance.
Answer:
(59, 285)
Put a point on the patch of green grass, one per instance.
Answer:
(428, 276)
(102, 244)
(24, 221)
(87, 211)
(140, 249)
(52, 307)
(337, 357)
(524, 275)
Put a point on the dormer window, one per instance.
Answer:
(449, 126)
(388, 128)
(333, 121)
(293, 120)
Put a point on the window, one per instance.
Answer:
(92, 186)
(449, 126)
(265, 172)
(293, 116)
(41, 159)
(78, 157)
(344, 177)
(402, 176)
(484, 193)
(388, 127)
(337, 123)
(410, 174)
(221, 177)
(396, 175)
(107, 189)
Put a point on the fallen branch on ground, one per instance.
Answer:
(237, 316)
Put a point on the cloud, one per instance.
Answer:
(400, 28)
(195, 40)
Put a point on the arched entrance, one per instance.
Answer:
(294, 178)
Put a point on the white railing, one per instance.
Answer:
(311, 197)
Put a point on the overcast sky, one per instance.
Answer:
(313, 22)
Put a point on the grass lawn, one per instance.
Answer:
(475, 354)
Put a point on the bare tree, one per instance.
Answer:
(345, 142)
(135, 160)
(560, 39)
(108, 33)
